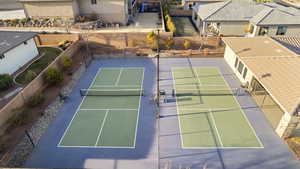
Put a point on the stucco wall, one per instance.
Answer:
(50, 9)
(15, 58)
(230, 57)
(108, 10)
(233, 28)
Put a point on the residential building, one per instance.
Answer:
(189, 4)
(244, 18)
(270, 71)
(114, 11)
(16, 50)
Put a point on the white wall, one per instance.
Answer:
(230, 57)
(17, 57)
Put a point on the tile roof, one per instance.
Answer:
(11, 39)
(257, 13)
(263, 55)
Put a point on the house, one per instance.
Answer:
(244, 18)
(271, 73)
(189, 4)
(16, 50)
(113, 11)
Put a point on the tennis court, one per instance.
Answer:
(108, 114)
(208, 112)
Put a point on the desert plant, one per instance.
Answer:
(67, 62)
(36, 99)
(6, 81)
(29, 76)
(152, 40)
(186, 44)
(53, 76)
(169, 43)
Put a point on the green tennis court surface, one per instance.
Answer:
(108, 114)
(209, 115)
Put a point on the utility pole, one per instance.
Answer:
(157, 76)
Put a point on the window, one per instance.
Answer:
(94, 2)
(281, 30)
(263, 31)
(236, 62)
(240, 67)
(245, 73)
(25, 43)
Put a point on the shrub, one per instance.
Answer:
(6, 81)
(152, 40)
(29, 76)
(53, 76)
(36, 100)
(2, 147)
(296, 140)
(249, 28)
(67, 62)
(169, 43)
(64, 44)
(186, 44)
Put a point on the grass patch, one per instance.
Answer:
(40, 64)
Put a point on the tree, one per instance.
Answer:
(186, 44)
(6, 81)
(169, 43)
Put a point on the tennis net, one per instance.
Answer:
(111, 92)
(205, 92)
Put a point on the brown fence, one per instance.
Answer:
(33, 87)
(54, 39)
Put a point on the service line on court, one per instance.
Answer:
(119, 76)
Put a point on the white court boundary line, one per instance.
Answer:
(108, 109)
(215, 126)
(78, 109)
(199, 81)
(177, 109)
(102, 125)
(110, 86)
(239, 106)
(243, 113)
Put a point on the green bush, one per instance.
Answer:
(29, 76)
(36, 100)
(53, 76)
(67, 62)
(6, 81)
(186, 44)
